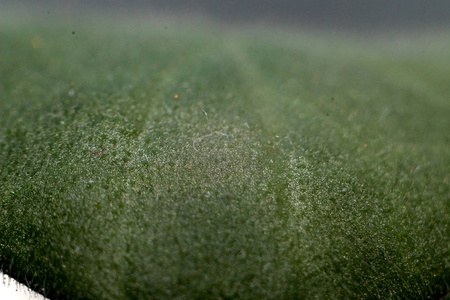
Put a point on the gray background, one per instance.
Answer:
(336, 14)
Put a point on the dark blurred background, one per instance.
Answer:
(336, 14)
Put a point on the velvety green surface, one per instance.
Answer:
(146, 160)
